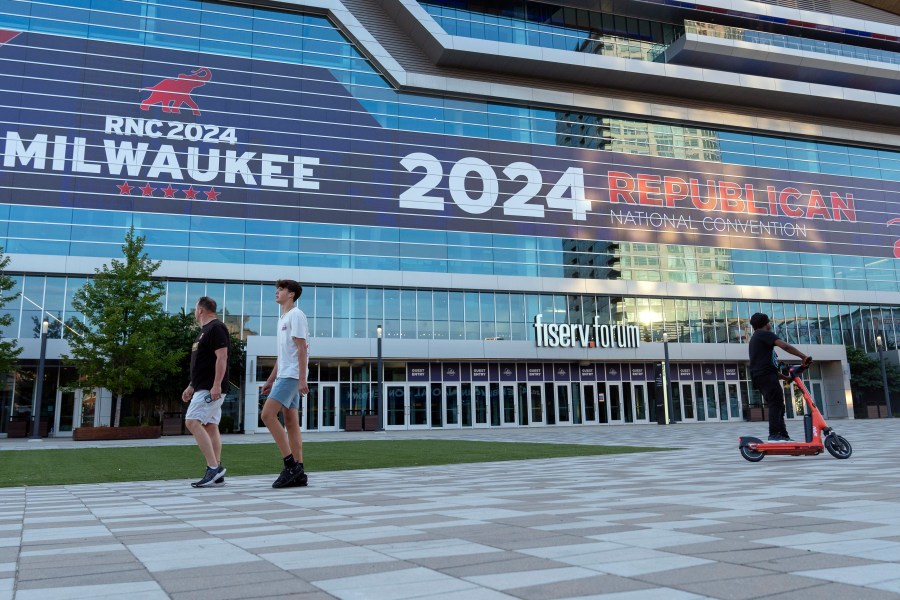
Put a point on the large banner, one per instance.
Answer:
(93, 124)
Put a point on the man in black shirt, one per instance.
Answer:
(209, 374)
(765, 374)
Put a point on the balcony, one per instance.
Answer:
(710, 46)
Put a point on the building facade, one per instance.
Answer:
(536, 202)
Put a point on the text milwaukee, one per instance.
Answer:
(596, 335)
(145, 161)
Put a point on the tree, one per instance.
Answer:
(9, 348)
(865, 372)
(865, 378)
(122, 343)
(179, 332)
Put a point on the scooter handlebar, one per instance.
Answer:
(796, 370)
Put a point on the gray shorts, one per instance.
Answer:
(204, 409)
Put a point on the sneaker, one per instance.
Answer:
(218, 482)
(300, 481)
(288, 475)
(779, 438)
(209, 478)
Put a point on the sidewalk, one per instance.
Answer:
(693, 523)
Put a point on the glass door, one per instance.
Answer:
(309, 407)
(481, 405)
(508, 401)
(465, 404)
(724, 409)
(68, 409)
(326, 406)
(419, 407)
(536, 403)
(712, 402)
(815, 390)
(563, 404)
(614, 403)
(733, 391)
(451, 405)
(589, 398)
(687, 401)
(396, 406)
(639, 402)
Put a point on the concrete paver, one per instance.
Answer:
(697, 522)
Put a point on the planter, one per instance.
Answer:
(173, 424)
(353, 423)
(17, 429)
(370, 422)
(82, 434)
(756, 414)
(876, 411)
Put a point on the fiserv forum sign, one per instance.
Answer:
(586, 335)
(95, 124)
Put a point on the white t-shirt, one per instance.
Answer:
(291, 325)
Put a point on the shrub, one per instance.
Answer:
(226, 425)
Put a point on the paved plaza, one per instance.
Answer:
(699, 522)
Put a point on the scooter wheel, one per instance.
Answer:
(837, 446)
(751, 454)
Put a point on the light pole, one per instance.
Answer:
(667, 393)
(39, 386)
(879, 345)
(379, 399)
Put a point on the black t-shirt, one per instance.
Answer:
(762, 352)
(213, 335)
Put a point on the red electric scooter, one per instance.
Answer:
(819, 436)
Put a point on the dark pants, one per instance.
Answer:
(769, 386)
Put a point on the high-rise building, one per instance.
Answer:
(532, 200)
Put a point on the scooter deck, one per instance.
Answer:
(789, 449)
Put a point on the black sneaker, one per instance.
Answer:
(218, 482)
(209, 478)
(779, 438)
(288, 475)
(300, 481)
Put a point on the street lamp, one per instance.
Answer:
(378, 395)
(39, 387)
(879, 345)
(667, 393)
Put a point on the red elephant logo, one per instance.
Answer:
(174, 92)
(897, 243)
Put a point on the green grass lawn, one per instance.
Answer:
(101, 465)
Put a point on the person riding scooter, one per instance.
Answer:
(765, 374)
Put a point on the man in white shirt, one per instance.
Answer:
(287, 383)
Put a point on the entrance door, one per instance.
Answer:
(67, 412)
(686, 400)
(815, 390)
(319, 408)
(508, 404)
(396, 406)
(589, 398)
(327, 407)
(639, 408)
(732, 399)
(536, 404)
(408, 406)
(563, 404)
(711, 399)
(481, 405)
(451, 406)
(614, 403)
(419, 406)
(465, 405)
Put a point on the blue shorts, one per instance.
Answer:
(286, 391)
